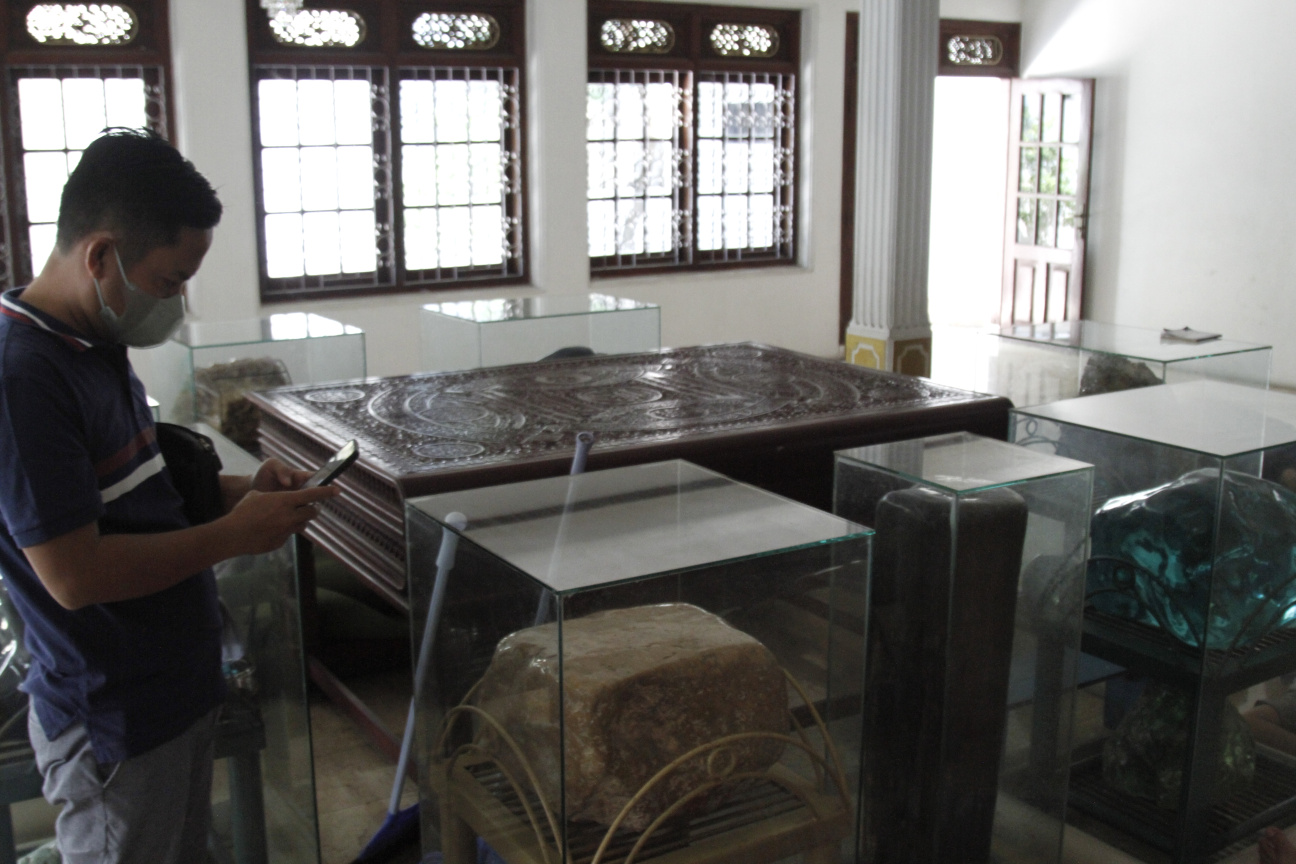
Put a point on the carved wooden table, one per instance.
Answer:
(763, 415)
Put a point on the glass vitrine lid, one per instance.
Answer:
(962, 462)
(1135, 342)
(548, 306)
(1212, 417)
(272, 328)
(602, 527)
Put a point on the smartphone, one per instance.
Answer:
(340, 461)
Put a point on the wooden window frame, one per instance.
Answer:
(389, 47)
(691, 54)
(149, 52)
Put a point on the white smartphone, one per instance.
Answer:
(340, 461)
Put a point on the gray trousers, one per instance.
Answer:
(154, 808)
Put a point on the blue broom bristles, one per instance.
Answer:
(397, 830)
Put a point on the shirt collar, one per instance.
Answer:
(11, 306)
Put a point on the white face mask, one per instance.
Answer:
(148, 321)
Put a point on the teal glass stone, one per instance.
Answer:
(1210, 559)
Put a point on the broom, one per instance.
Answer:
(400, 826)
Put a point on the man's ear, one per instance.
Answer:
(98, 255)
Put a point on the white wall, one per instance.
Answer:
(1193, 194)
(794, 306)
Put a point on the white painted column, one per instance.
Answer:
(889, 328)
(212, 128)
(556, 85)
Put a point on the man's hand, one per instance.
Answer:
(275, 476)
(263, 520)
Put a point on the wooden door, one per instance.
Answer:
(1048, 194)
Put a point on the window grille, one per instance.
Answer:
(400, 172)
(693, 163)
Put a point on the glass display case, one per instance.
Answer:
(974, 639)
(473, 333)
(205, 371)
(1191, 590)
(654, 660)
(263, 788)
(1034, 364)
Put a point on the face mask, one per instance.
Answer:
(147, 322)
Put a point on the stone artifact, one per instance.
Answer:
(1157, 554)
(1109, 373)
(640, 687)
(1146, 755)
(222, 395)
(940, 636)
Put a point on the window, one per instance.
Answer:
(691, 125)
(71, 70)
(388, 146)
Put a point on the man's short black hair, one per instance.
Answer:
(136, 185)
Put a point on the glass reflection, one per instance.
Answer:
(1026, 220)
(1071, 119)
(1030, 118)
(1052, 117)
(1068, 180)
(1049, 169)
(1066, 229)
(1028, 177)
(1045, 225)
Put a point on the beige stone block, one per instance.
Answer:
(641, 687)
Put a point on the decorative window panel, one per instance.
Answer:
(975, 51)
(639, 171)
(456, 32)
(635, 36)
(461, 173)
(325, 184)
(319, 28)
(744, 40)
(60, 111)
(745, 165)
(422, 185)
(81, 24)
(692, 157)
(978, 48)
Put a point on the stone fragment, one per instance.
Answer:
(641, 687)
(1109, 373)
(1147, 754)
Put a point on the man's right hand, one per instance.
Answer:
(264, 520)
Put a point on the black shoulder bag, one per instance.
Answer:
(195, 470)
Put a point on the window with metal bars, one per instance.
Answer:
(71, 70)
(385, 163)
(691, 129)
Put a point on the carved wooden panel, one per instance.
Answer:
(756, 413)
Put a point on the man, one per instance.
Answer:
(114, 587)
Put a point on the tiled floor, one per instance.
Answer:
(353, 779)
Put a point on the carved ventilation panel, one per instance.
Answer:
(635, 36)
(319, 28)
(456, 31)
(975, 51)
(81, 24)
(744, 40)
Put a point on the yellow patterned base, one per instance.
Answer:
(907, 356)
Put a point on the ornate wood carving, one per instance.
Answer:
(756, 413)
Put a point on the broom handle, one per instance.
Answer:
(584, 441)
(445, 561)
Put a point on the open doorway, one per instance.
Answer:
(969, 196)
